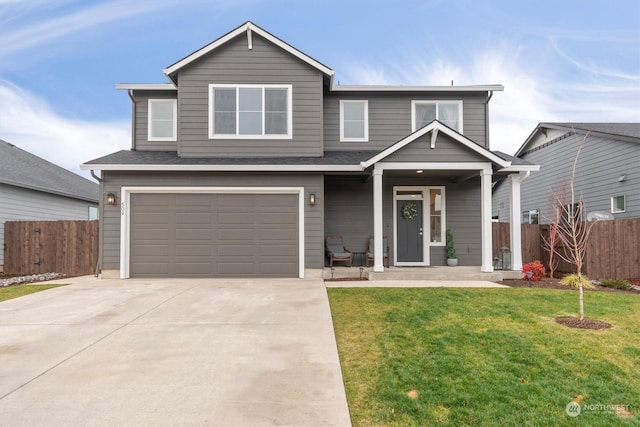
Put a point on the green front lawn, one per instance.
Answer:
(10, 292)
(470, 357)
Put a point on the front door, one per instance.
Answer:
(409, 230)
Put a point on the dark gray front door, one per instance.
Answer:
(409, 239)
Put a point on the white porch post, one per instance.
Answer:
(514, 220)
(485, 219)
(377, 220)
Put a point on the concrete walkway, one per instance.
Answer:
(171, 352)
(413, 284)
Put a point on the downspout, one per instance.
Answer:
(133, 120)
(486, 127)
(101, 215)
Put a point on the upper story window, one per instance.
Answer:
(354, 120)
(250, 111)
(447, 112)
(162, 121)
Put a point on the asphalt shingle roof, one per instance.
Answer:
(129, 157)
(515, 161)
(23, 169)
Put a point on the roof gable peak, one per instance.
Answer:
(249, 28)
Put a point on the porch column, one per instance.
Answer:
(514, 220)
(485, 219)
(377, 220)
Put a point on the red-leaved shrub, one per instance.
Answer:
(536, 269)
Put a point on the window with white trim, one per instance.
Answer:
(436, 215)
(531, 216)
(354, 120)
(447, 112)
(618, 204)
(250, 111)
(162, 120)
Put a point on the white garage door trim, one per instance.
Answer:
(125, 212)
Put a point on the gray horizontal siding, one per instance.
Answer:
(390, 118)
(141, 111)
(446, 150)
(600, 164)
(233, 63)
(349, 213)
(314, 215)
(20, 204)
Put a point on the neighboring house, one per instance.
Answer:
(32, 188)
(607, 173)
(251, 155)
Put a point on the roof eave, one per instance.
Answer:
(146, 86)
(224, 168)
(391, 88)
(49, 191)
(521, 168)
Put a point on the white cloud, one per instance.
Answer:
(535, 90)
(29, 122)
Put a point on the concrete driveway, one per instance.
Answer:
(171, 352)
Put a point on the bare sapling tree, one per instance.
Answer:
(551, 240)
(573, 229)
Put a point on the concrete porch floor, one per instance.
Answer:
(460, 273)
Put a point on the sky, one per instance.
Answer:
(559, 60)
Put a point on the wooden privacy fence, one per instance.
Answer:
(33, 247)
(613, 250)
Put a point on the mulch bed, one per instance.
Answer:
(549, 283)
(575, 322)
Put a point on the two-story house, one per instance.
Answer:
(251, 155)
(607, 171)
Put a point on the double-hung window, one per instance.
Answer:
(250, 111)
(162, 119)
(447, 112)
(354, 120)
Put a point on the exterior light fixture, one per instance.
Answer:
(312, 199)
(622, 177)
(111, 198)
(419, 171)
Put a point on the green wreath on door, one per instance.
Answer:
(409, 211)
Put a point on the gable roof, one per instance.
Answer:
(623, 131)
(23, 169)
(248, 28)
(435, 127)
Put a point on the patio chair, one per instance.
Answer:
(336, 250)
(385, 247)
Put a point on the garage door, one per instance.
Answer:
(214, 235)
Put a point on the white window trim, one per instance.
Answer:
(125, 214)
(436, 102)
(624, 208)
(150, 103)
(528, 212)
(288, 135)
(366, 120)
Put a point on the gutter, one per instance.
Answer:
(486, 115)
(133, 121)
(101, 215)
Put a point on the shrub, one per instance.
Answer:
(616, 284)
(572, 281)
(536, 269)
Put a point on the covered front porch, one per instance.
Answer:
(398, 209)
